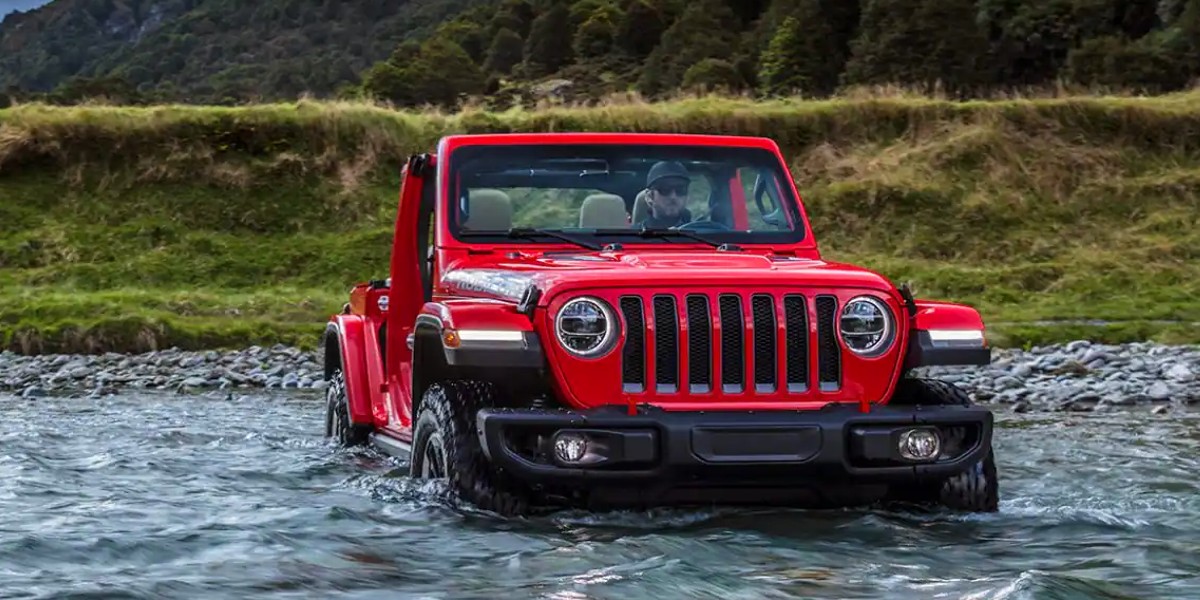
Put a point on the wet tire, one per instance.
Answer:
(446, 446)
(974, 490)
(337, 414)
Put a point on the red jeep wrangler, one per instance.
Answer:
(618, 320)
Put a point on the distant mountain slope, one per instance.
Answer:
(413, 52)
(209, 50)
(7, 6)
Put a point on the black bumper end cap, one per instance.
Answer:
(924, 352)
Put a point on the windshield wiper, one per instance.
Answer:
(664, 232)
(529, 232)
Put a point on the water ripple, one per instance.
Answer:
(147, 495)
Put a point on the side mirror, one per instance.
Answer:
(418, 165)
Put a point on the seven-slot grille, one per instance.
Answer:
(733, 340)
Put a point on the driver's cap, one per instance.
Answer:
(666, 169)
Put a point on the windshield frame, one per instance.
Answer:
(770, 161)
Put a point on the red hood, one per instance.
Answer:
(507, 278)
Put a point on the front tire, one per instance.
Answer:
(446, 446)
(975, 489)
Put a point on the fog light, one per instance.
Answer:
(570, 448)
(919, 444)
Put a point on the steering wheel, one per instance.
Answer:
(704, 226)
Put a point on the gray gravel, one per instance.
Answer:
(1079, 376)
(255, 367)
(1084, 377)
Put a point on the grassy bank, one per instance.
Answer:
(130, 229)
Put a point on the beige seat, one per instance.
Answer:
(603, 211)
(489, 210)
(641, 208)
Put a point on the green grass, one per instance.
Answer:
(135, 228)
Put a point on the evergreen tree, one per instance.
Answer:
(466, 34)
(640, 29)
(804, 55)
(918, 42)
(1150, 64)
(777, 72)
(447, 73)
(1169, 10)
(713, 74)
(1188, 23)
(843, 17)
(516, 15)
(583, 10)
(387, 81)
(747, 11)
(548, 47)
(595, 36)
(1029, 40)
(1137, 18)
(701, 32)
(437, 72)
(504, 53)
(1181, 40)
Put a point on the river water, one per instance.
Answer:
(146, 495)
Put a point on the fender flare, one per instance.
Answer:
(345, 339)
(469, 334)
(946, 334)
(481, 333)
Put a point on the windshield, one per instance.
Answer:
(612, 192)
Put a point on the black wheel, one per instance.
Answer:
(446, 446)
(337, 414)
(975, 490)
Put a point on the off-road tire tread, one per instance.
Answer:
(930, 392)
(338, 406)
(973, 490)
(453, 406)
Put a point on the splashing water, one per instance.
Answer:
(143, 495)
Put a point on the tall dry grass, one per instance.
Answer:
(356, 140)
(1041, 206)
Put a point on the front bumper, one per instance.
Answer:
(835, 445)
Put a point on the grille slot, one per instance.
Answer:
(699, 344)
(666, 344)
(764, 343)
(733, 365)
(796, 314)
(829, 363)
(633, 367)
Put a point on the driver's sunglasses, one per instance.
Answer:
(679, 189)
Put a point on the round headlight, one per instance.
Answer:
(866, 326)
(585, 327)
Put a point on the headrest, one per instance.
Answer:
(603, 211)
(641, 208)
(489, 210)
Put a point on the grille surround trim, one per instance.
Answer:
(730, 345)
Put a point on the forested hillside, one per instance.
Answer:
(443, 51)
(206, 51)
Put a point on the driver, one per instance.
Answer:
(667, 184)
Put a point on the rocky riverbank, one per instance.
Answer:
(1079, 376)
(279, 366)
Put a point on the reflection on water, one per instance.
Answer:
(146, 495)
